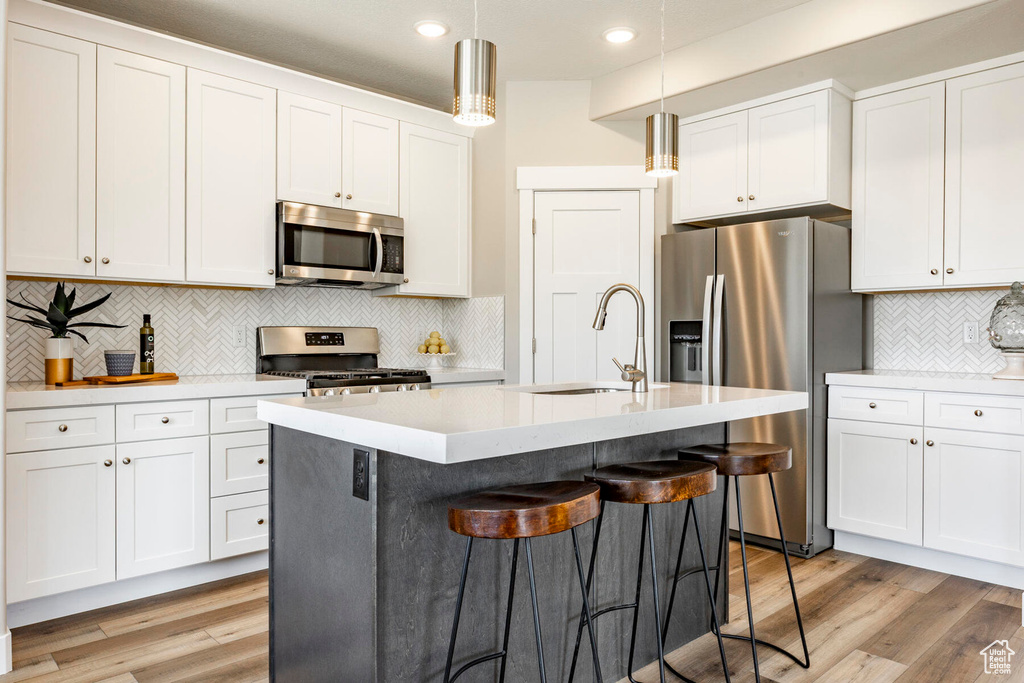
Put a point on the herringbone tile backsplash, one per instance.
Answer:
(195, 326)
(924, 331)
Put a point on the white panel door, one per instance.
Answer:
(230, 210)
(51, 153)
(898, 176)
(369, 175)
(308, 150)
(788, 152)
(973, 494)
(984, 177)
(712, 178)
(434, 192)
(875, 479)
(163, 505)
(140, 167)
(585, 242)
(60, 521)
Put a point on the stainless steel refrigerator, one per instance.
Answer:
(766, 305)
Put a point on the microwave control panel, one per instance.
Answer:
(393, 254)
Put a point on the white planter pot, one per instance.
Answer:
(60, 360)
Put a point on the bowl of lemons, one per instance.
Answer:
(435, 348)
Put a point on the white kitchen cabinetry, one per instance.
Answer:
(898, 150)
(875, 479)
(140, 167)
(239, 524)
(786, 154)
(434, 189)
(231, 181)
(369, 174)
(51, 154)
(308, 150)
(163, 513)
(60, 521)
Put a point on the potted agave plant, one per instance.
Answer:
(60, 348)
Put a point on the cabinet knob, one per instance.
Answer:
(751, 197)
(929, 442)
(270, 271)
(935, 271)
(406, 280)
(949, 271)
(165, 420)
(88, 259)
(337, 194)
(348, 196)
(872, 405)
(260, 521)
(104, 260)
(739, 199)
(62, 428)
(978, 413)
(127, 461)
(913, 442)
(108, 463)
(260, 461)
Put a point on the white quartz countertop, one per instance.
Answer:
(451, 375)
(921, 380)
(473, 423)
(22, 395)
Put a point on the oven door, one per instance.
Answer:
(321, 245)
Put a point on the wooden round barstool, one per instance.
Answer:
(746, 460)
(650, 483)
(519, 512)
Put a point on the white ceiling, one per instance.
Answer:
(372, 42)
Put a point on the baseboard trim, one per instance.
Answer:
(73, 602)
(936, 560)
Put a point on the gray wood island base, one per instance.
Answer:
(364, 590)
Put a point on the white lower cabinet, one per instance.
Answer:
(60, 521)
(239, 524)
(239, 462)
(973, 492)
(874, 479)
(163, 493)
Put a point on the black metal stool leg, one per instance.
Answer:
(590, 578)
(657, 598)
(586, 609)
(536, 612)
(675, 574)
(458, 611)
(636, 601)
(723, 538)
(746, 584)
(792, 585)
(508, 610)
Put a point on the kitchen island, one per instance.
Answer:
(364, 570)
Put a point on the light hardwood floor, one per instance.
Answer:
(866, 620)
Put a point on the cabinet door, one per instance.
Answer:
(308, 150)
(163, 505)
(874, 479)
(973, 488)
(369, 163)
(60, 521)
(984, 176)
(51, 153)
(712, 178)
(434, 191)
(898, 176)
(788, 152)
(230, 217)
(140, 167)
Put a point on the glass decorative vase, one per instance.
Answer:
(1006, 332)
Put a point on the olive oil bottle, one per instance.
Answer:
(146, 346)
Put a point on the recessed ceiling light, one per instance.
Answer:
(619, 34)
(431, 28)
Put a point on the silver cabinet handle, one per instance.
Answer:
(165, 420)
(62, 428)
(872, 405)
(405, 280)
(913, 442)
(260, 521)
(104, 260)
(978, 413)
(260, 461)
(949, 271)
(348, 196)
(88, 259)
(127, 461)
(108, 463)
(935, 271)
(739, 199)
(751, 197)
(337, 194)
(270, 271)
(929, 442)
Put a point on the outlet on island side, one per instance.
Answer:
(361, 474)
(971, 332)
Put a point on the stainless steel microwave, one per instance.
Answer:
(328, 247)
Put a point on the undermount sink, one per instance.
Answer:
(577, 392)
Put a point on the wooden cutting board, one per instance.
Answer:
(125, 379)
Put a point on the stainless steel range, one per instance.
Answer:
(332, 360)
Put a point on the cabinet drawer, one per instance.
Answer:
(239, 524)
(977, 413)
(876, 405)
(40, 430)
(169, 420)
(238, 414)
(239, 462)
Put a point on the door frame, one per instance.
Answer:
(533, 179)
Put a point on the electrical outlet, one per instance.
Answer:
(361, 474)
(238, 335)
(971, 332)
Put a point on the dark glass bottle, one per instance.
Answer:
(146, 346)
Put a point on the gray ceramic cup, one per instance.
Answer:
(119, 363)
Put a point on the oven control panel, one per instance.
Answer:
(325, 339)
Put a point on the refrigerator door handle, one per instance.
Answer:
(705, 347)
(716, 337)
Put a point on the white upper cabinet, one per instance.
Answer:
(787, 154)
(369, 173)
(984, 177)
(140, 167)
(231, 171)
(51, 154)
(898, 142)
(308, 150)
(712, 178)
(434, 190)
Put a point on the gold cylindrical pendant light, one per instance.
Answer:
(662, 157)
(476, 78)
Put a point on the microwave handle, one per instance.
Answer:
(380, 252)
